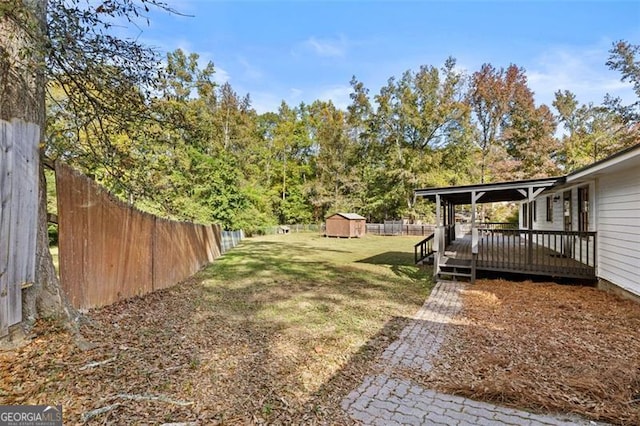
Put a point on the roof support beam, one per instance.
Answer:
(534, 193)
(475, 197)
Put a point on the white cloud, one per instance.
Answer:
(268, 101)
(265, 102)
(339, 95)
(581, 71)
(249, 71)
(221, 76)
(327, 47)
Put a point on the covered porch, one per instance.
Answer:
(459, 251)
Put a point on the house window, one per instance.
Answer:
(549, 208)
(583, 208)
(525, 215)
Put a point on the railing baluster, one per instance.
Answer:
(530, 251)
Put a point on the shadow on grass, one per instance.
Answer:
(257, 333)
(390, 258)
(317, 299)
(401, 263)
(325, 403)
(263, 272)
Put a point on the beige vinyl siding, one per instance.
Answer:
(619, 229)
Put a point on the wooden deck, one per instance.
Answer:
(515, 251)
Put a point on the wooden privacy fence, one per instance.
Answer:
(110, 251)
(19, 162)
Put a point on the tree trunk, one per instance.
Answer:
(22, 96)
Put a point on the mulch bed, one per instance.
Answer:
(545, 347)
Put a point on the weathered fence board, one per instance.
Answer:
(19, 162)
(177, 253)
(110, 251)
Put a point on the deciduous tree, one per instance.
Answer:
(70, 42)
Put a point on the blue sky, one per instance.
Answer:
(306, 50)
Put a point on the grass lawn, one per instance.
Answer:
(277, 330)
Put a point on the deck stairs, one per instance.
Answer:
(450, 269)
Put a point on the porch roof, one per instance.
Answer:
(491, 192)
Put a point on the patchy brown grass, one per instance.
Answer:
(545, 347)
(277, 331)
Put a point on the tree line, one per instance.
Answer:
(188, 148)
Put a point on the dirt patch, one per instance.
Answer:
(545, 347)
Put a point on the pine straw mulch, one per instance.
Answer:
(544, 347)
(167, 358)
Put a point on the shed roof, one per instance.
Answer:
(350, 216)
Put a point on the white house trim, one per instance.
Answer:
(613, 212)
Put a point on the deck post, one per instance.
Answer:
(452, 221)
(436, 241)
(474, 258)
(474, 237)
(530, 197)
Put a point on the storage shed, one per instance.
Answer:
(345, 225)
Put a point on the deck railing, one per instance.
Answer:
(494, 226)
(423, 249)
(552, 253)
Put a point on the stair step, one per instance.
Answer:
(455, 274)
(447, 281)
(457, 264)
(455, 269)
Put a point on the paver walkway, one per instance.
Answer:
(391, 399)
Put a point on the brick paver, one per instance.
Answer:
(391, 399)
(420, 341)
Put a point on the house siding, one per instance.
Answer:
(580, 246)
(541, 213)
(619, 229)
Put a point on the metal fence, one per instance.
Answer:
(110, 251)
(386, 228)
(286, 229)
(399, 228)
(19, 162)
(230, 239)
